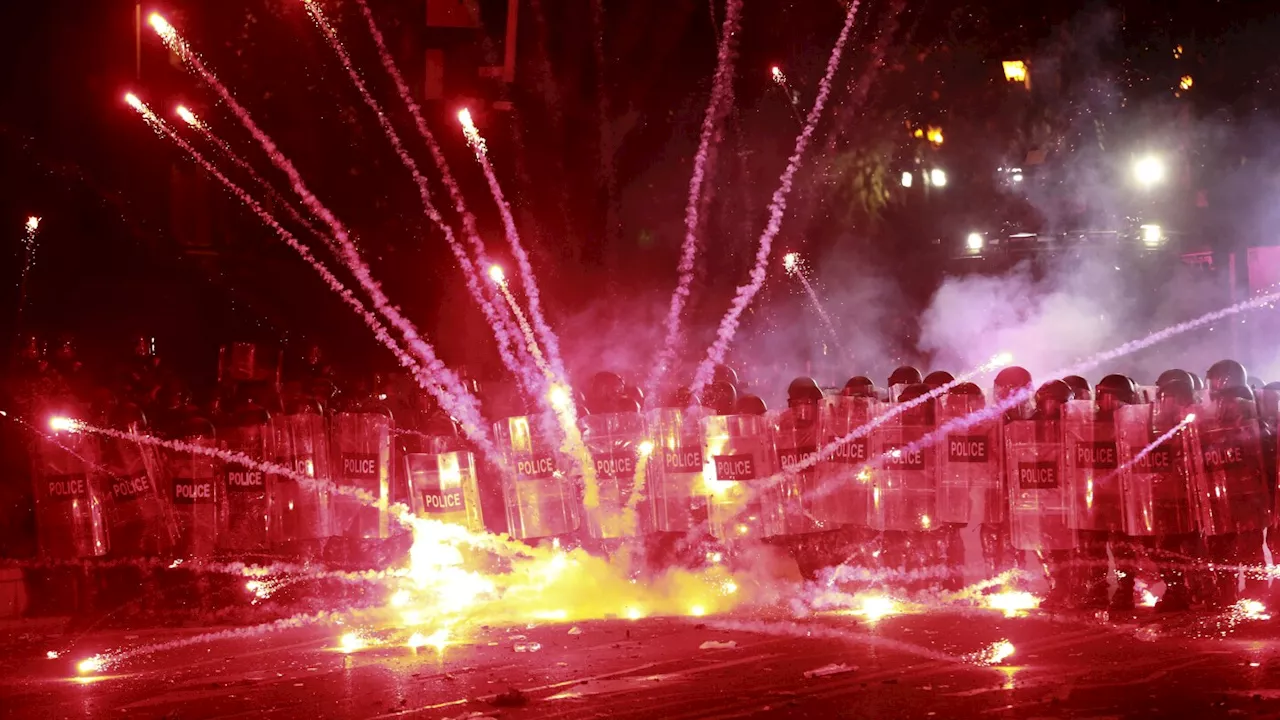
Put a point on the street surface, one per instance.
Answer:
(907, 666)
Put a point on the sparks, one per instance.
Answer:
(778, 77)
(63, 424)
(52, 655)
(33, 224)
(133, 101)
(697, 611)
(790, 262)
(497, 275)
(91, 665)
(474, 139)
(187, 116)
(634, 613)
(1012, 603)
(559, 396)
(998, 652)
(645, 448)
(352, 642)
(875, 607)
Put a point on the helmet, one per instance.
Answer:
(859, 386)
(605, 384)
(905, 375)
(1178, 391)
(922, 412)
(1196, 381)
(1051, 397)
(634, 394)
(1120, 388)
(751, 405)
(1013, 378)
(1254, 383)
(1235, 404)
(724, 374)
(721, 397)
(680, 397)
(938, 378)
(803, 390)
(1225, 374)
(1174, 375)
(966, 388)
(1079, 387)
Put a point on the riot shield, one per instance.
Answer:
(540, 499)
(1232, 493)
(677, 502)
(362, 462)
(1039, 500)
(970, 477)
(1156, 480)
(845, 483)
(904, 481)
(138, 514)
(197, 496)
(613, 440)
(248, 503)
(792, 500)
(739, 452)
(71, 519)
(300, 508)
(446, 488)
(1091, 468)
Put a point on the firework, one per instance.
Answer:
(472, 134)
(781, 81)
(721, 99)
(461, 403)
(794, 266)
(777, 210)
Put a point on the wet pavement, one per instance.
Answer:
(938, 664)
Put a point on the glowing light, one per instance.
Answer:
(1148, 171)
(63, 424)
(1015, 71)
(743, 529)
(162, 27)
(1152, 235)
(714, 557)
(790, 261)
(416, 640)
(974, 242)
(907, 179)
(33, 223)
(697, 611)
(399, 598)
(926, 522)
(438, 640)
(729, 587)
(1252, 610)
(938, 177)
(497, 275)
(469, 130)
(874, 607)
(559, 396)
(91, 665)
(1001, 359)
(1186, 82)
(351, 642)
(1013, 602)
(999, 651)
(1190, 418)
(133, 101)
(1017, 177)
(1149, 599)
(645, 448)
(187, 116)
(1177, 52)
(52, 655)
(934, 135)
(778, 77)
(634, 613)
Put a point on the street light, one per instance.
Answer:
(1148, 171)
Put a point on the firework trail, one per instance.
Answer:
(500, 279)
(549, 340)
(423, 376)
(780, 80)
(795, 266)
(195, 122)
(467, 407)
(29, 246)
(721, 99)
(442, 164)
(424, 193)
(777, 209)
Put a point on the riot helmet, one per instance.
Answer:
(634, 394)
(923, 413)
(679, 398)
(1176, 394)
(1050, 399)
(859, 386)
(725, 374)
(751, 405)
(905, 375)
(720, 397)
(968, 389)
(938, 378)
(1226, 374)
(1174, 375)
(1080, 388)
(803, 390)
(1115, 390)
(1010, 380)
(1235, 404)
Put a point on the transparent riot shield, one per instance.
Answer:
(845, 481)
(71, 516)
(248, 504)
(739, 452)
(300, 509)
(1039, 500)
(1232, 493)
(197, 495)
(362, 463)
(904, 480)
(540, 499)
(446, 488)
(793, 499)
(676, 490)
(138, 513)
(1156, 480)
(613, 440)
(970, 477)
(1091, 468)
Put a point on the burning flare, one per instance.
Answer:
(778, 77)
(474, 139)
(187, 116)
(497, 275)
(33, 224)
